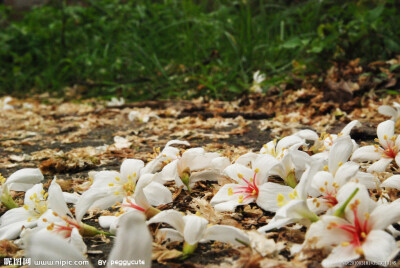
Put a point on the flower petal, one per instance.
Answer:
(157, 194)
(56, 200)
(384, 215)
(133, 240)
(366, 153)
(387, 110)
(339, 256)
(345, 172)
(339, 153)
(385, 128)
(47, 246)
(268, 193)
(379, 247)
(87, 200)
(195, 227)
(170, 234)
(226, 234)
(172, 217)
(346, 130)
(380, 165)
(392, 182)
(131, 167)
(106, 221)
(23, 179)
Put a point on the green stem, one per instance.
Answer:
(151, 212)
(6, 199)
(188, 249)
(291, 179)
(88, 230)
(340, 211)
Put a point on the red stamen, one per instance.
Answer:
(131, 205)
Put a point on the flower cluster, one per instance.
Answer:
(323, 182)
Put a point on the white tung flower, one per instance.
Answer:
(37, 206)
(394, 111)
(116, 102)
(248, 189)
(4, 104)
(110, 187)
(258, 78)
(385, 152)
(360, 232)
(194, 229)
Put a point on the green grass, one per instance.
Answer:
(185, 48)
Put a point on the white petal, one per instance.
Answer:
(346, 130)
(339, 153)
(384, 215)
(307, 134)
(157, 194)
(195, 227)
(103, 178)
(46, 246)
(56, 200)
(233, 170)
(226, 206)
(106, 221)
(322, 179)
(131, 167)
(345, 172)
(385, 129)
(246, 159)
(172, 217)
(287, 142)
(14, 215)
(220, 163)
(339, 256)
(36, 189)
(204, 175)
(387, 110)
(392, 182)
(23, 179)
(366, 153)
(133, 240)
(76, 241)
(275, 224)
(226, 234)
(268, 193)
(379, 247)
(87, 200)
(366, 179)
(71, 198)
(170, 234)
(380, 165)
(171, 142)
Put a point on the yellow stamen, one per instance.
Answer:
(363, 235)
(230, 191)
(240, 199)
(55, 214)
(359, 251)
(326, 168)
(29, 219)
(340, 164)
(45, 195)
(291, 196)
(345, 244)
(117, 179)
(240, 175)
(116, 193)
(257, 170)
(111, 184)
(26, 207)
(385, 137)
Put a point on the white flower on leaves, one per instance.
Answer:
(194, 165)
(323, 144)
(360, 232)
(337, 173)
(385, 152)
(166, 156)
(133, 242)
(194, 229)
(4, 104)
(293, 203)
(116, 102)
(38, 205)
(393, 112)
(142, 115)
(258, 78)
(248, 189)
(110, 187)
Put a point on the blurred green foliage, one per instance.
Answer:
(186, 48)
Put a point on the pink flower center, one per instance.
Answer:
(390, 151)
(251, 190)
(358, 230)
(67, 229)
(330, 199)
(131, 205)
